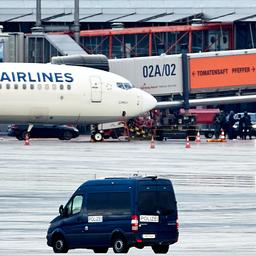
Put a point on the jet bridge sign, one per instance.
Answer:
(211, 71)
(222, 72)
(159, 75)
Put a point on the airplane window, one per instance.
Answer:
(8, 86)
(24, 86)
(120, 85)
(54, 87)
(0, 86)
(39, 86)
(32, 87)
(125, 86)
(69, 87)
(61, 87)
(128, 86)
(47, 87)
(16, 87)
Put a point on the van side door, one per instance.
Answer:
(73, 223)
(107, 211)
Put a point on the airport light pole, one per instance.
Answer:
(38, 13)
(76, 27)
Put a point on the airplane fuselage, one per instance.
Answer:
(47, 93)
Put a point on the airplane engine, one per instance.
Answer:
(97, 61)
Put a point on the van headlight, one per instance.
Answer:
(254, 126)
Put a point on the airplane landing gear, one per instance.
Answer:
(96, 134)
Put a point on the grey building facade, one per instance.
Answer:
(60, 17)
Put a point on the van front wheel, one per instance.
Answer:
(160, 248)
(120, 245)
(59, 245)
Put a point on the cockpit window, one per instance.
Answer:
(125, 86)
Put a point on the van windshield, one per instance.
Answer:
(156, 202)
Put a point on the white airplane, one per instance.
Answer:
(59, 94)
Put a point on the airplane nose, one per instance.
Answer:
(149, 102)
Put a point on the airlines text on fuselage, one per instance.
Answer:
(40, 77)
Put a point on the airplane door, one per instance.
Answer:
(96, 89)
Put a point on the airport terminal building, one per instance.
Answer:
(36, 30)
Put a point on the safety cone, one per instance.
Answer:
(26, 140)
(152, 142)
(222, 135)
(198, 138)
(187, 143)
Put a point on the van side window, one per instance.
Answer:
(75, 205)
(109, 203)
(69, 208)
(153, 202)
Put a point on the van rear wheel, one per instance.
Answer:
(160, 248)
(59, 245)
(120, 244)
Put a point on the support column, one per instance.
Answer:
(150, 44)
(185, 76)
(110, 45)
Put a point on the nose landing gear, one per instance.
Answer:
(96, 134)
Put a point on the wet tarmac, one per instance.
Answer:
(214, 182)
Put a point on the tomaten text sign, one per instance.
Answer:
(222, 71)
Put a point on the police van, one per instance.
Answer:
(118, 213)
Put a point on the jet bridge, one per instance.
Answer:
(41, 47)
(222, 77)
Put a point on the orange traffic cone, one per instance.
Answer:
(152, 142)
(198, 138)
(26, 140)
(222, 135)
(187, 143)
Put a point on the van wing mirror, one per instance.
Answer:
(61, 210)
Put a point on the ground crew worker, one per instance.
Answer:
(230, 123)
(245, 126)
(240, 128)
(248, 125)
(219, 123)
